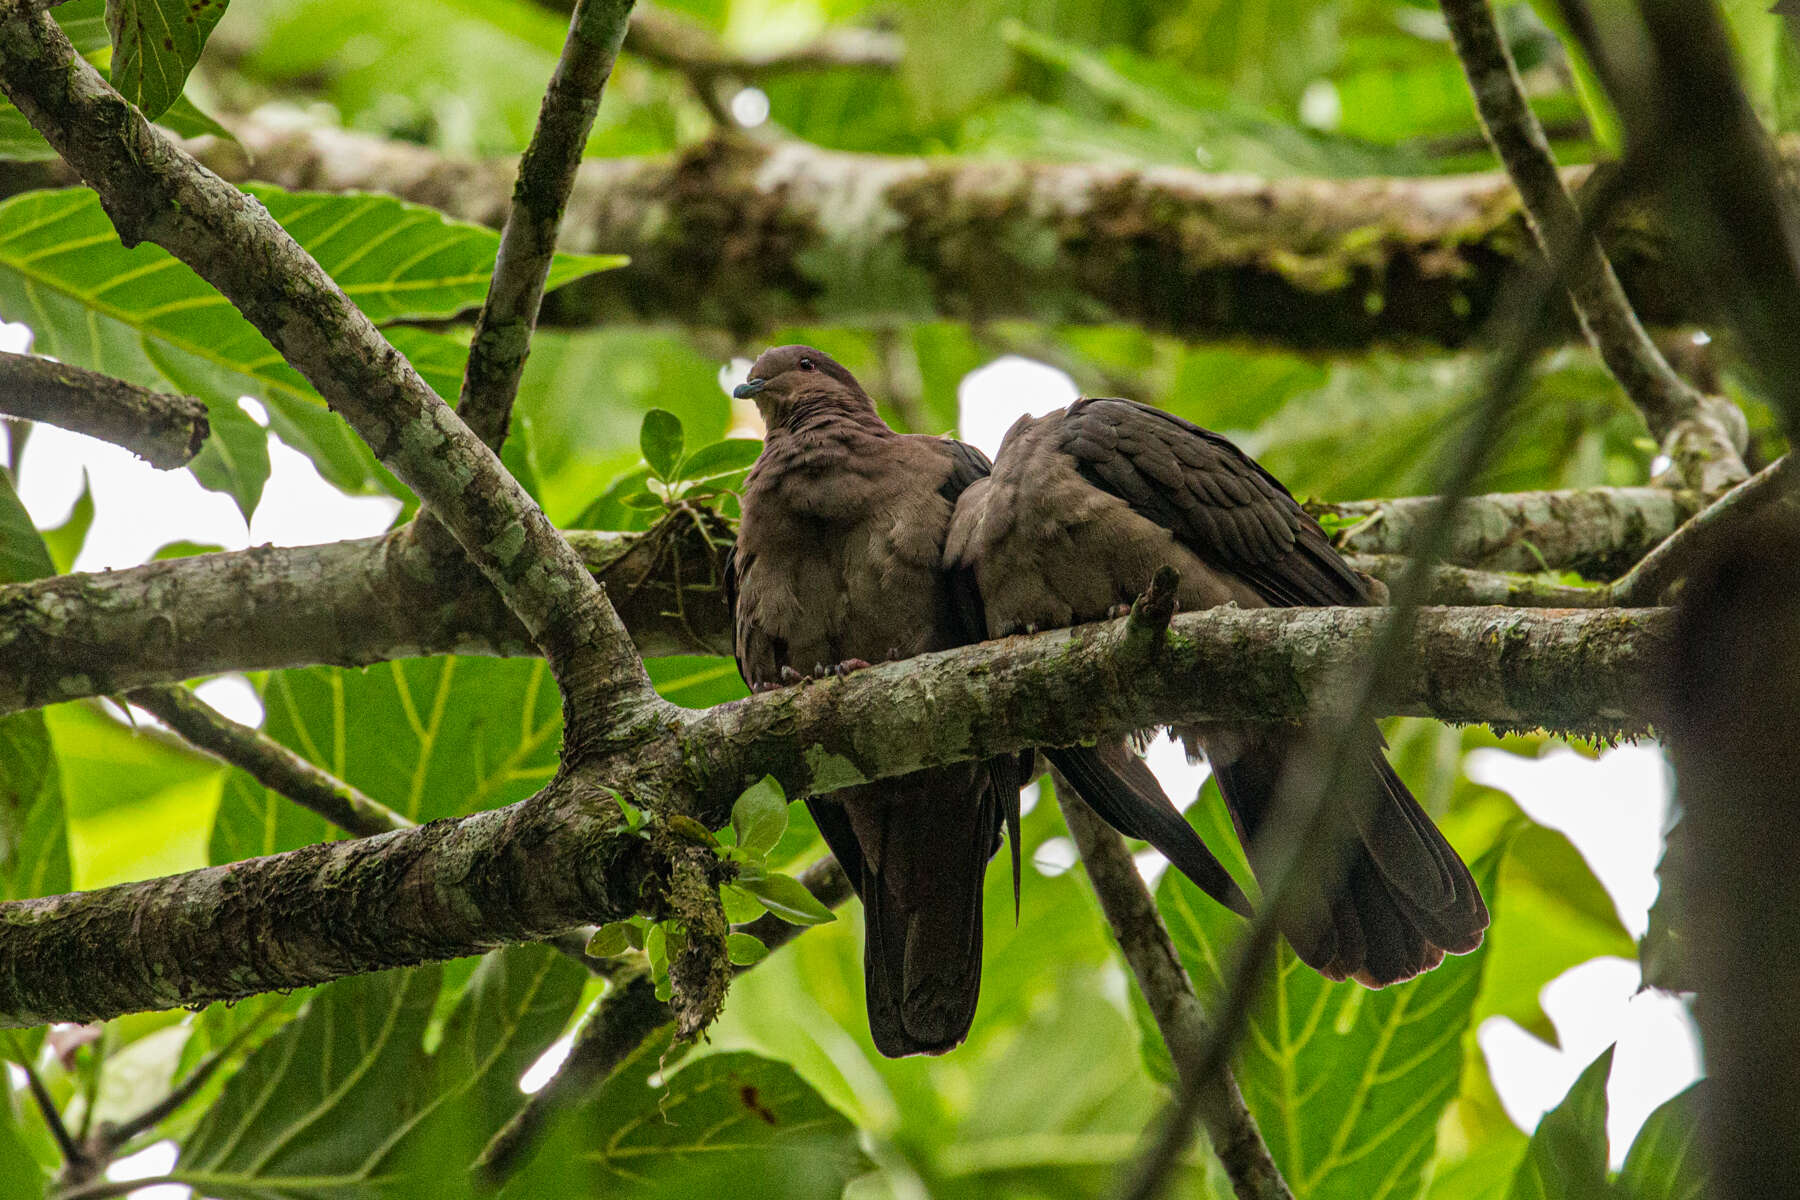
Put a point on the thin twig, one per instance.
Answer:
(1144, 941)
(164, 429)
(1695, 437)
(502, 337)
(1645, 583)
(74, 1157)
(268, 762)
(113, 1138)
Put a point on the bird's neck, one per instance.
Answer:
(812, 414)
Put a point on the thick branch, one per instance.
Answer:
(269, 762)
(358, 602)
(1646, 582)
(750, 237)
(528, 241)
(153, 191)
(163, 429)
(1597, 532)
(1144, 941)
(454, 888)
(347, 603)
(1695, 437)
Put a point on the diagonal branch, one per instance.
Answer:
(1144, 941)
(154, 191)
(269, 762)
(561, 858)
(163, 429)
(1701, 436)
(528, 241)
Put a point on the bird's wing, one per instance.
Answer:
(1215, 499)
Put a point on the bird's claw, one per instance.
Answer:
(848, 665)
(790, 677)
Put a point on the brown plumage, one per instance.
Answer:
(1082, 507)
(839, 563)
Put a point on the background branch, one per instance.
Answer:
(714, 235)
(163, 429)
(1705, 451)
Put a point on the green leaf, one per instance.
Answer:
(1667, 1160)
(660, 438)
(610, 940)
(1567, 1157)
(235, 458)
(34, 835)
(760, 816)
(634, 817)
(744, 949)
(740, 906)
(182, 548)
(515, 1004)
(65, 541)
(22, 553)
(21, 1176)
(734, 1125)
(155, 44)
(141, 315)
(719, 461)
(1347, 1084)
(431, 738)
(315, 1108)
(787, 898)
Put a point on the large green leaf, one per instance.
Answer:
(311, 1112)
(23, 555)
(1567, 1156)
(1667, 1159)
(21, 1176)
(734, 1125)
(1347, 1084)
(155, 44)
(429, 737)
(142, 315)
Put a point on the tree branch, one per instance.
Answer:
(269, 762)
(1699, 441)
(152, 191)
(459, 887)
(528, 241)
(1657, 571)
(358, 602)
(1597, 532)
(1144, 941)
(747, 237)
(163, 429)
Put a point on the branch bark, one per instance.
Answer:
(454, 888)
(502, 338)
(163, 429)
(747, 237)
(358, 602)
(1696, 433)
(348, 603)
(1144, 941)
(153, 191)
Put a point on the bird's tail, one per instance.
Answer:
(1119, 786)
(1405, 898)
(920, 853)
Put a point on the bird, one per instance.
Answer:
(839, 563)
(1082, 508)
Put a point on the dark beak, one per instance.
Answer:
(749, 388)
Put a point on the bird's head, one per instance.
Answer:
(790, 383)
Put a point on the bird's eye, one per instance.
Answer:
(807, 364)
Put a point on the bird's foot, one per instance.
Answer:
(789, 677)
(1119, 610)
(839, 669)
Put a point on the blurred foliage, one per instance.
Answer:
(343, 1090)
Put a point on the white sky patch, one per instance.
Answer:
(153, 1160)
(1593, 1006)
(233, 696)
(138, 509)
(547, 1065)
(15, 339)
(750, 107)
(1055, 856)
(991, 398)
